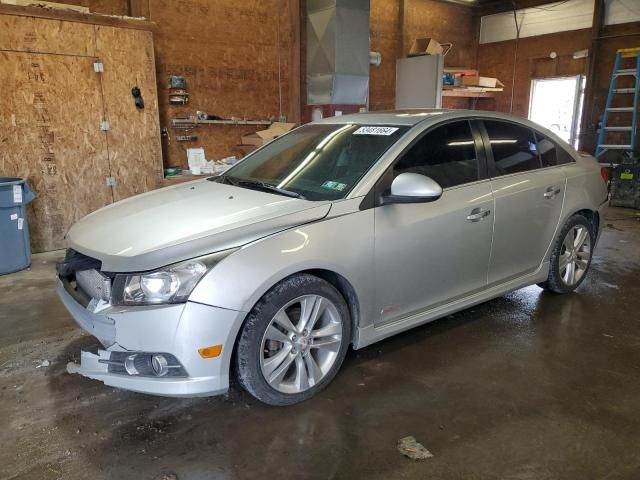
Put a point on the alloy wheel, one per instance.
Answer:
(575, 254)
(301, 344)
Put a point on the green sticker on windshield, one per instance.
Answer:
(331, 185)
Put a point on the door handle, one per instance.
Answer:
(551, 192)
(478, 214)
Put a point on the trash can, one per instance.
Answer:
(15, 251)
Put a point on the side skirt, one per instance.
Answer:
(370, 334)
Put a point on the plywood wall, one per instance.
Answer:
(134, 141)
(50, 136)
(51, 110)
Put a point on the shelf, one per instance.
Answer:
(461, 92)
(180, 121)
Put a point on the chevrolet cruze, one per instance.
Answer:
(340, 233)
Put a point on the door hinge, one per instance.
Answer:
(98, 67)
(104, 125)
(111, 181)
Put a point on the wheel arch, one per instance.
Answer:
(338, 281)
(335, 279)
(345, 289)
(592, 215)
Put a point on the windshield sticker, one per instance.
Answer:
(386, 131)
(330, 185)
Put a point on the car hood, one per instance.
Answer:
(185, 221)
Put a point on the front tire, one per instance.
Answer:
(293, 341)
(571, 256)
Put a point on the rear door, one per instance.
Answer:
(528, 198)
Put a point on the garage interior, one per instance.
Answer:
(106, 99)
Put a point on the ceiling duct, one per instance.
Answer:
(337, 52)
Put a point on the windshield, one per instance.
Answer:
(315, 162)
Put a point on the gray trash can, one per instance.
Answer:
(15, 251)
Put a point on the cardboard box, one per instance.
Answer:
(246, 149)
(478, 81)
(425, 46)
(265, 136)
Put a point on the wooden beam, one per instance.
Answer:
(588, 123)
(500, 6)
(71, 16)
(404, 17)
(295, 78)
(139, 8)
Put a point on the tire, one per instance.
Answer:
(274, 357)
(561, 278)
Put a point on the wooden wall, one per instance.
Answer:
(497, 60)
(229, 53)
(394, 25)
(613, 37)
(107, 7)
(51, 109)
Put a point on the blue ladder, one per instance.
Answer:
(602, 147)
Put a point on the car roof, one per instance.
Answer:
(411, 117)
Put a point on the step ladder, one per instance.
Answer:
(614, 90)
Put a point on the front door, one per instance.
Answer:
(428, 254)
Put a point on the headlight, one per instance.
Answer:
(171, 284)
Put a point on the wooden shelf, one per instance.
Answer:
(180, 121)
(461, 92)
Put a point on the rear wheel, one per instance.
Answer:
(571, 256)
(294, 341)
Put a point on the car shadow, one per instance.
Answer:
(234, 436)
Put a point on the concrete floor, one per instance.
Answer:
(527, 386)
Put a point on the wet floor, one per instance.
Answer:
(529, 386)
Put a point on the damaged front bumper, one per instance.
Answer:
(173, 332)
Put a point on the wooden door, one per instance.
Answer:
(134, 135)
(50, 113)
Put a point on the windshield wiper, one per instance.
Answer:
(256, 184)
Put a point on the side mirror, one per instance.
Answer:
(413, 188)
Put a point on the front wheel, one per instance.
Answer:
(293, 341)
(571, 256)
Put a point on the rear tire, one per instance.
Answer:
(571, 256)
(293, 341)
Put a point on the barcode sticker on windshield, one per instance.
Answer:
(375, 131)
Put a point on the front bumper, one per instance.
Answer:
(179, 330)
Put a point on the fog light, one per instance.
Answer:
(130, 365)
(160, 365)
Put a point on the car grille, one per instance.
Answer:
(94, 284)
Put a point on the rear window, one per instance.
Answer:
(514, 147)
(551, 154)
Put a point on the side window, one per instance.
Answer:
(514, 147)
(551, 154)
(446, 154)
(547, 150)
(563, 156)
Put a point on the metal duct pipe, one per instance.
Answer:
(337, 52)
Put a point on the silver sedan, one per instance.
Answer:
(340, 233)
